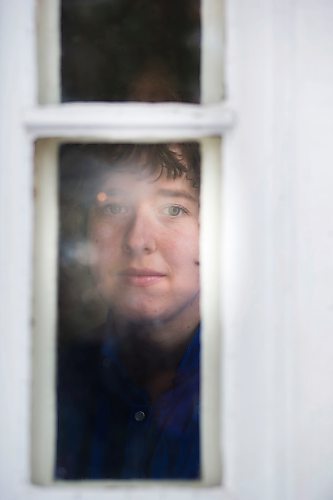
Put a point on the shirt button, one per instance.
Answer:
(139, 416)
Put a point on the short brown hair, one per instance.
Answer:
(84, 164)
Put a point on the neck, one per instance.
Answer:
(152, 351)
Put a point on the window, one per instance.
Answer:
(106, 124)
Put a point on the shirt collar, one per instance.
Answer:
(115, 375)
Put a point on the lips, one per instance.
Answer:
(141, 277)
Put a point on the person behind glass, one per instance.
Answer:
(128, 400)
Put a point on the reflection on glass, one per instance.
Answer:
(128, 317)
(130, 50)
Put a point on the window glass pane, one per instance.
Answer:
(128, 312)
(123, 50)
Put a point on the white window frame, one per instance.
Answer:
(122, 122)
(277, 438)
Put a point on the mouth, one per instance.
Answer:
(141, 277)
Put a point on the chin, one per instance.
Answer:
(141, 313)
(143, 317)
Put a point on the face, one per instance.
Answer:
(145, 239)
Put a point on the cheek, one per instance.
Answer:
(105, 237)
(183, 248)
(102, 240)
(100, 232)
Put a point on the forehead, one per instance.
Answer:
(136, 185)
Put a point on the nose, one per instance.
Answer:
(139, 236)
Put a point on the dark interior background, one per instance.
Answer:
(136, 50)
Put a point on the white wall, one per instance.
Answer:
(279, 261)
(313, 344)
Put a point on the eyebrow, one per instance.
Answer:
(170, 193)
(177, 193)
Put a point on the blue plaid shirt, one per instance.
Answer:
(109, 429)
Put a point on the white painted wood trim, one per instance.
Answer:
(45, 272)
(135, 121)
(212, 51)
(48, 51)
(211, 383)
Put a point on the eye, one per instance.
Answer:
(114, 209)
(174, 210)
